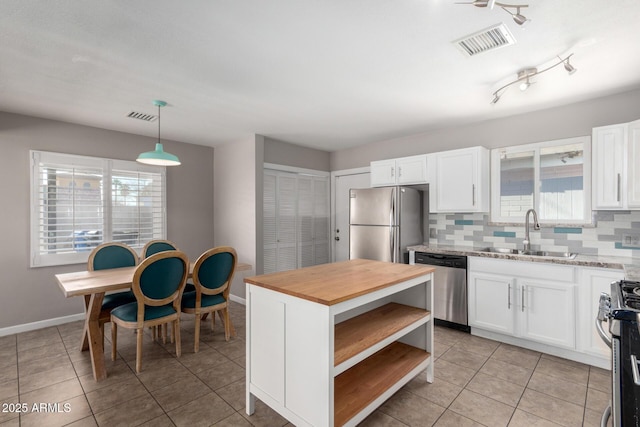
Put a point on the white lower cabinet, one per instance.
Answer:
(534, 308)
(542, 306)
(593, 281)
(547, 312)
(490, 302)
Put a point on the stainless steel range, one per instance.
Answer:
(621, 309)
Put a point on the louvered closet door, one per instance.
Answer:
(286, 222)
(305, 221)
(295, 220)
(269, 232)
(321, 253)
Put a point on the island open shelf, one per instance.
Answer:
(328, 344)
(376, 378)
(363, 335)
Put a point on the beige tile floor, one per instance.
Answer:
(478, 383)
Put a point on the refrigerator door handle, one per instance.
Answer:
(392, 244)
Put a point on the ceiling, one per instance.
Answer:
(326, 74)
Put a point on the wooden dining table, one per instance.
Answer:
(93, 285)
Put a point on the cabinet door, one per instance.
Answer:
(383, 172)
(547, 312)
(593, 281)
(412, 170)
(462, 180)
(633, 167)
(491, 303)
(608, 154)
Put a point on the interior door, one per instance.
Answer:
(343, 183)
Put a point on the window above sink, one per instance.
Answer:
(551, 177)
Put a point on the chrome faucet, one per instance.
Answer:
(536, 226)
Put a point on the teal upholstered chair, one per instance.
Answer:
(158, 283)
(155, 246)
(212, 275)
(106, 256)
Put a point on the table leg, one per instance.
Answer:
(84, 345)
(94, 336)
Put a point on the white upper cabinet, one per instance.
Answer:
(633, 171)
(616, 166)
(401, 171)
(462, 181)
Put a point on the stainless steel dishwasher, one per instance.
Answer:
(449, 288)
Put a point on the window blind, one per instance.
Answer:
(79, 202)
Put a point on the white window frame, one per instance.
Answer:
(496, 218)
(38, 259)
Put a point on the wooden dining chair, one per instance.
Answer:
(105, 256)
(212, 275)
(158, 283)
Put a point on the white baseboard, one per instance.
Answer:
(40, 324)
(237, 299)
(588, 359)
(67, 319)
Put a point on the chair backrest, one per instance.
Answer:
(155, 246)
(160, 280)
(213, 270)
(112, 255)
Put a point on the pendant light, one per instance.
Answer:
(159, 157)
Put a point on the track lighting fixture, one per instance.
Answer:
(525, 75)
(518, 18)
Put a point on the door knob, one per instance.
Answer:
(337, 237)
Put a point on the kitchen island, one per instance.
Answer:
(328, 344)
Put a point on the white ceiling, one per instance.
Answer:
(328, 74)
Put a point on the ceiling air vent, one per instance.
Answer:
(142, 116)
(485, 40)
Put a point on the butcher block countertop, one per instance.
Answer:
(330, 284)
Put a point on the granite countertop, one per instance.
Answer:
(631, 266)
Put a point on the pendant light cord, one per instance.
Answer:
(158, 123)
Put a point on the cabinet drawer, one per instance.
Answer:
(536, 270)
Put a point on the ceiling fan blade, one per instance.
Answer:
(476, 3)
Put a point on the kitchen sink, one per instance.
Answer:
(502, 251)
(548, 254)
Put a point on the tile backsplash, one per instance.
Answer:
(606, 238)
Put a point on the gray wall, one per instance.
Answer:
(32, 294)
(544, 125)
(236, 195)
(284, 153)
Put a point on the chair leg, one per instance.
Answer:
(213, 320)
(173, 335)
(196, 341)
(163, 331)
(176, 327)
(225, 320)
(139, 350)
(114, 340)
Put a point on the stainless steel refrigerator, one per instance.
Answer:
(384, 221)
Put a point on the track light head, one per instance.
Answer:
(518, 18)
(495, 99)
(525, 85)
(570, 68)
